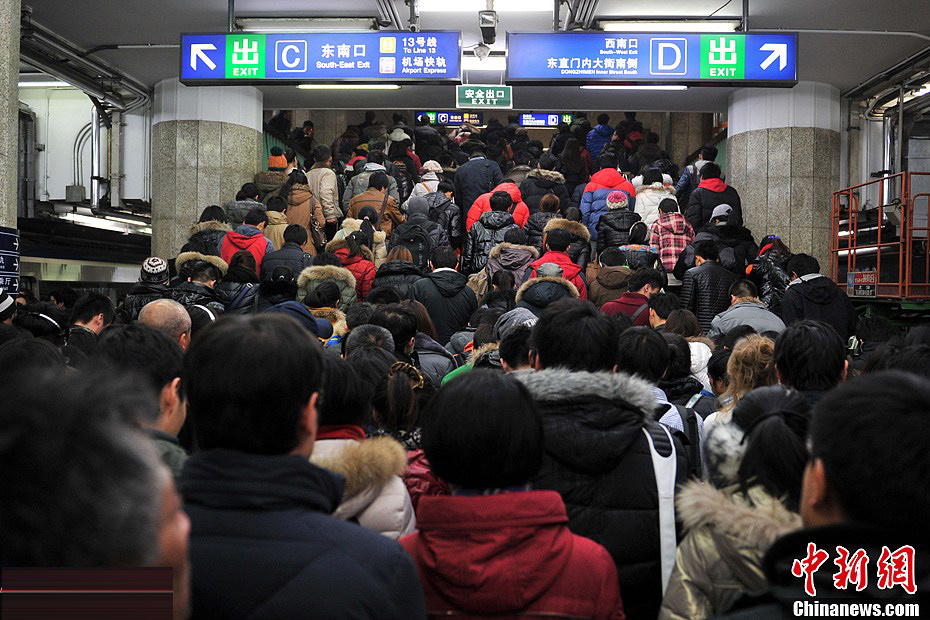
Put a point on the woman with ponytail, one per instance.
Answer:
(755, 465)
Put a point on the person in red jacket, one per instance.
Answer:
(519, 210)
(249, 236)
(496, 547)
(358, 260)
(643, 284)
(557, 241)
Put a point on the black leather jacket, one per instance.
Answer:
(770, 276)
(613, 228)
(139, 295)
(487, 232)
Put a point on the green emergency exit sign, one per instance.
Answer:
(484, 96)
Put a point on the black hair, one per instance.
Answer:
(483, 431)
(325, 295)
(29, 357)
(383, 295)
(295, 233)
(213, 213)
(326, 259)
(603, 119)
(871, 435)
(370, 363)
(500, 201)
(516, 236)
(321, 153)
(717, 365)
(707, 250)
(395, 401)
(400, 321)
(876, 329)
(572, 334)
(642, 351)
(743, 288)
(558, 239)
(137, 348)
(668, 205)
(44, 320)
(443, 257)
(359, 313)
(378, 180)
(255, 217)
(709, 153)
(775, 421)
(914, 359)
(683, 322)
(639, 233)
(375, 156)
(728, 340)
(612, 257)
(277, 203)
(290, 154)
(679, 361)
(90, 305)
(642, 277)
(802, 265)
(341, 402)
(572, 214)
(810, 355)
(918, 335)
(652, 138)
(607, 160)
(65, 297)
(514, 348)
(261, 414)
(201, 271)
(652, 175)
(663, 304)
(710, 170)
(248, 190)
(445, 187)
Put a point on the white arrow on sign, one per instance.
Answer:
(779, 51)
(199, 50)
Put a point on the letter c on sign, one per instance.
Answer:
(289, 61)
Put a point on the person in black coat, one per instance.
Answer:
(418, 216)
(477, 176)
(263, 541)
(398, 272)
(291, 254)
(705, 289)
(613, 227)
(239, 286)
(541, 181)
(152, 285)
(487, 232)
(712, 192)
(446, 295)
(536, 225)
(769, 272)
(197, 277)
(446, 213)
(812, 296)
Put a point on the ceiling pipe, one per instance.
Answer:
(414, 15)
(892, 33)
(572, 16)
(592, 12)
(66, 74)
(745, 16)
(231, 16)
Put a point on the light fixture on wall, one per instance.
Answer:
(472, 6)
(306, 24)
(717, 25)
(348, 86)
(634, 87)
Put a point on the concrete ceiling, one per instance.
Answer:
(838, 59)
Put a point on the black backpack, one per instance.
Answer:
(690, 439)
(694, 179)
(416, 240)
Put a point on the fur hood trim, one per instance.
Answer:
(758, 520)
(216, 261)
(500, 247)
(351, 225)
(723, 452)
(482, 350)
(211, 225)
(526, 286)
(558, 385)
(364, 464)
(301, 187)
(657, 187)
(338, 244)
(325, 272)
(333, 315)
(546, 175)
(576, 228)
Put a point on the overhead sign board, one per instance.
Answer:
(862, 283)
(696, 59)
(9, 259)
(452, 118)
(217, 59)
(486, 96)
(544, 120)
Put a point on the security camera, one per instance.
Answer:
(487, 21)
(482, 51)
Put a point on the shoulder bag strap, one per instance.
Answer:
(384, 203)
(639, 311)
(664, 467)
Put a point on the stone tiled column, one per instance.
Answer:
(206, 142)
(783, 156)
(9, 98)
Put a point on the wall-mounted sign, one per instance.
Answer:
(705, 59)
(544, 120)
(211, 59)
(862, 283)
(487, 96)
(453, 118)
(9, 259)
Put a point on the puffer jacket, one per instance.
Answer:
(747, 312)
(420, 480)
(487, 232)
(196, 294)
(540, 182)
(359, 185)
(642, 256)
(598, 138)
(598, 459)
(580, 248)
(536, 226)
(236, 210)
(361, 266)
(312, 277)
(305, 210)
(680, 391)
(291, 256)
(271, 294)
(434, 361)
(613, 228)
(739, 240)
(399, 274)
(594, 198)
(351, 225)
(139, 295)
(537, 294)
(237, 297)
(207, 236)
(448, 215)
(482, 205)
(274, 230)
(428, 184)
(435, 232)
(374, 495)
(769, 273)
(705, 291)
(610, 284)
(473, 178)
(448, 300)
(503, 257)
(648, 198)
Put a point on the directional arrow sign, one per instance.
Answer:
(779, 51)
(199, 50)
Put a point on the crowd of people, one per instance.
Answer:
(460, 373)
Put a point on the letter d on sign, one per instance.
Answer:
(668, 56)
(665, 50)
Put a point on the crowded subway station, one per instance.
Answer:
(396, 309)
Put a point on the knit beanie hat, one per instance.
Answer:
(276, 159)
(512, 320)
(549, 270)
(617, 200)
(431, 166)
(154, 271)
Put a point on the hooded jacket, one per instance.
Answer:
(312, 277)
(540, 182)
(473, 178)
(598, 138)
(749, 312)
(374, 496)
(399, 274)
(597, 458)
(705, 291)
(351, 225)
(271, 294)
(739, 240)
(236, 210)
(610, 283)
(208, 236)
(248, 238)
(448, 300)
(613, 228)
(536, 226)
(648, 198)
(710, 194)
(418, 215)
(816, 297)
(263, 543)
(237, 297)
(428, 184)
(361, 266)
(537, 294)
(325, 187)
(487, 232)
(580, 248)
(510, 555)
(433, 360)
(770, 276)
(671, 233)
(274, 230)
(269, 182)
(503, 257)
(594, 198)
(141, 294)
(290, 255)
(448, 215)
(570, 271)
(482, 205)
(305, 210)
(359, 185)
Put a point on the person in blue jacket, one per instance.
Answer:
(600, 135)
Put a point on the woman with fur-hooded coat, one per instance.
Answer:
(351, 225)
(504, 256)
(207, 236)
(538, 183)
(312, 277)
(580, 248)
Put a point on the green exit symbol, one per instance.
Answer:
(723, 57)
(245, 56)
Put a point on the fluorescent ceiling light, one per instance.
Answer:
(663, 26)
(45, 84)
(491, 63)
(96, 222)
(633, 87)
(473, 6)
(306, 24)
(348, 86)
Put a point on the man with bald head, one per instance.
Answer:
(170, 317)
